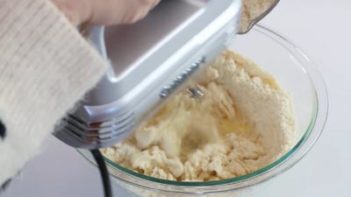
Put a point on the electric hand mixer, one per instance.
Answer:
(148, 62)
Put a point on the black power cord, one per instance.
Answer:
(103, 172)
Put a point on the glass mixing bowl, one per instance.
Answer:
(297, 75)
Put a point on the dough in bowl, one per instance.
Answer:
(243, 122)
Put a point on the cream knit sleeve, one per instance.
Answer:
(45, 67)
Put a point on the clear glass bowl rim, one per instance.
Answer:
(286, 161)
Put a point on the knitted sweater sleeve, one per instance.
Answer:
(45, 67)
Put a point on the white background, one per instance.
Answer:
(322, 28)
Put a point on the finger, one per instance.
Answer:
(110, 12)
(76, 11)
(155, 3)
(144, 7)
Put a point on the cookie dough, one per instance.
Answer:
(243, 122)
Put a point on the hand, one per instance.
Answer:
(105, 12)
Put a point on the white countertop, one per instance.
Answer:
(314, 25)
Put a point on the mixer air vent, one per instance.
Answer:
(102, 133)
